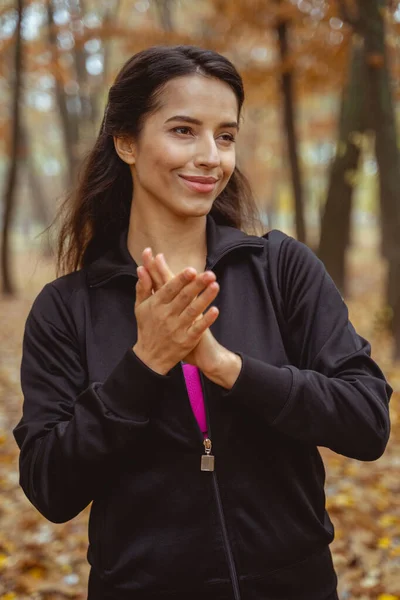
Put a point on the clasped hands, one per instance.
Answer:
(171, 325)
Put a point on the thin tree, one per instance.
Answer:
(69, 125)
(164, 8)
(380, 98)
(110, 19)
(367, 18)
(37, 190)
(335, 224)
(290, 128)
(11, 181)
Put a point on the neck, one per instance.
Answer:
(182, 240)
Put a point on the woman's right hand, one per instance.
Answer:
(170, 321)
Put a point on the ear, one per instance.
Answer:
(125, 148)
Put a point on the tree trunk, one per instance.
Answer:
(335, 225)
(288, 106)
(87, 116)
(40, 207)
(165, 14)
(11, 183)
(110, 18)
(379, 95)
(69, 122)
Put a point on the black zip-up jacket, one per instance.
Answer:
(99, 425)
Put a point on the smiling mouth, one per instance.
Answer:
(203, 185)
(199, 178)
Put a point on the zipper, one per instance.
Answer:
(207, 443)
(228, 550)
(227, 545)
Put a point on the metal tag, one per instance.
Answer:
(207, 462)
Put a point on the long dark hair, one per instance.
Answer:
(93, 215)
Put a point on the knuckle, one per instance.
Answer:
(191, 311)
(186, 297)
(184, 342)
(165, 294)
(168, 326)
(197, 325)
(200, 284)
(191, 338)
(169, 332)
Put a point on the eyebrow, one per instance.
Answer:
(232, 124)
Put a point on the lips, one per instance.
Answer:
(199, 179)
(200, 184)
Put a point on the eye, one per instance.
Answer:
(182, 130)
(228, 137)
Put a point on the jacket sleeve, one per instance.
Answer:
(72, 429)
(334, 394)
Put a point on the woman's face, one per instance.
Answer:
(185, 153)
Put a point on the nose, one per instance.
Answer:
(207, 153)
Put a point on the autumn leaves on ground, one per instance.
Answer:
(39, 560)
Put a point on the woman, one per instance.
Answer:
(189, 411)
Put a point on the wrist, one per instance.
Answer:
(226, 370)
(155, 366)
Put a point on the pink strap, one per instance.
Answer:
(193, 384)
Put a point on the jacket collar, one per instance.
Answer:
(117, 261)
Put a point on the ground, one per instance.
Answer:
(46, 561)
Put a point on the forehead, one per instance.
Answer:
(198, 96)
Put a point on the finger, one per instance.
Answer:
(163, 268)
(170, 290)
(198, 306)
(143, 286)
(191, 291)
(200, 325)
(148, 262)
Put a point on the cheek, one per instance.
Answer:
(160, 156)
(170, 156)
(229, 163)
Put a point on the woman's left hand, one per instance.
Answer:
(209, 354)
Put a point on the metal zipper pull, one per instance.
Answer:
(207, 460)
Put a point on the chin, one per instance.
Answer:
(197, 206)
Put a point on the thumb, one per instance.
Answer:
(143, 286)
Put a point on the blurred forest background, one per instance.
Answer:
(320, 144)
